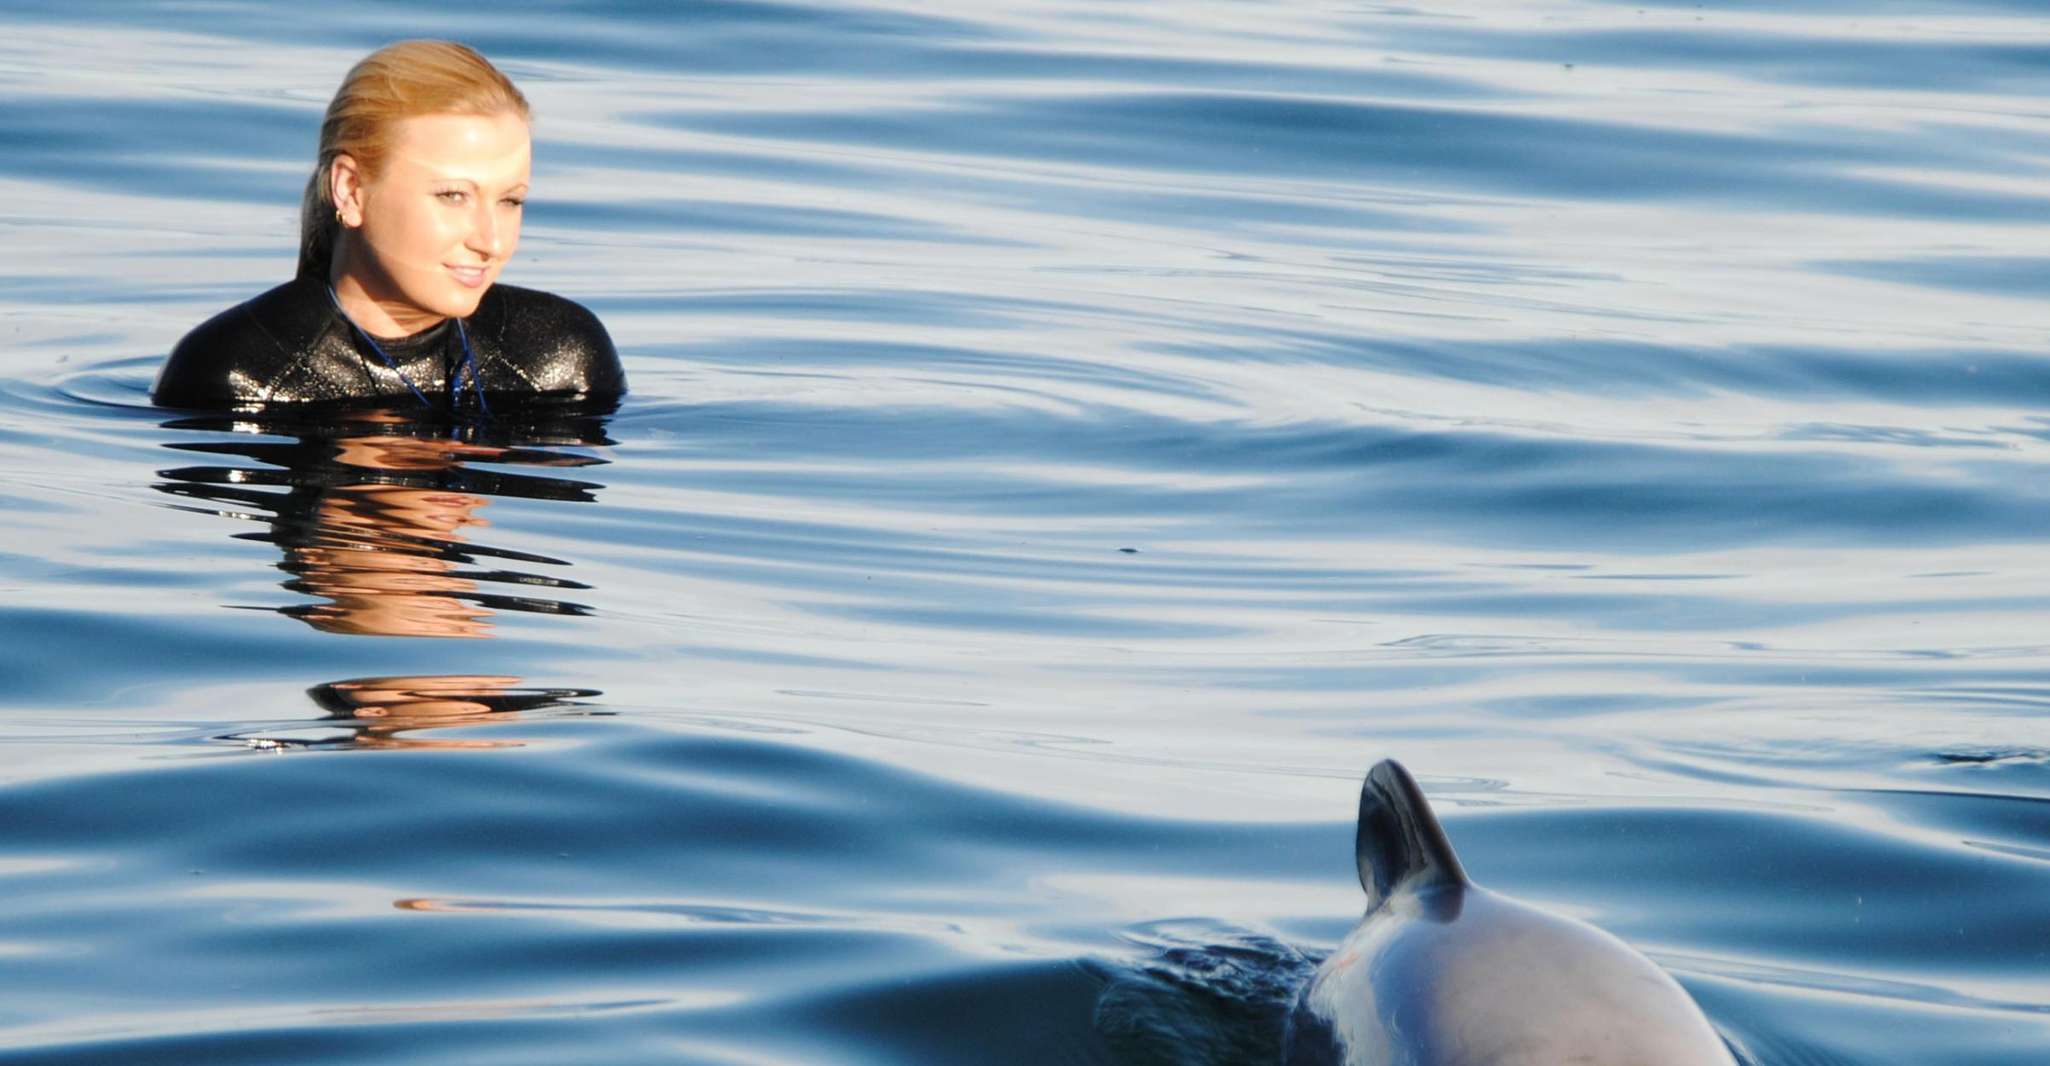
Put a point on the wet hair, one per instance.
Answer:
(399, 81)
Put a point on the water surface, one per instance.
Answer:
(1069, 444)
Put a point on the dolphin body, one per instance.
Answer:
(1442, 972)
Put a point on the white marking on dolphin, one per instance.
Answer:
(1442, 972)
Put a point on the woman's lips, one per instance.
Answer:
(471, 277)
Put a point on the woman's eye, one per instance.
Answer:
(452, 196)
(513, 201)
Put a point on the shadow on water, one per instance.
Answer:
(1203, 995)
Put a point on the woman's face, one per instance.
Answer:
(426, 237)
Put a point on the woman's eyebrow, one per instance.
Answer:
(450, 179)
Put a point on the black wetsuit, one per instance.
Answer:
(290, 345)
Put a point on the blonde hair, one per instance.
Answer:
(398, 81)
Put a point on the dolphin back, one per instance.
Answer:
(1400, 845)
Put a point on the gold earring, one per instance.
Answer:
(338, 217)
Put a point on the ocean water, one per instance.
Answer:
(1070, 442)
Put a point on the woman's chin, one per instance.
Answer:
(457, 304)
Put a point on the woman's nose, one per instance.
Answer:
(487, 236)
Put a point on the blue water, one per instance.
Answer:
(1070, 443)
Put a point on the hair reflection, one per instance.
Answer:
(373, 514)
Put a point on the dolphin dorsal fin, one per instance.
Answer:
(1400, 844)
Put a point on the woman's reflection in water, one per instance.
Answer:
(374, 516)
(375, 512)
(380, 711)
(385, 556)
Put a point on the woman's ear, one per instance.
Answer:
(345, 187)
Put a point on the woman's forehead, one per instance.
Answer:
(480, 148)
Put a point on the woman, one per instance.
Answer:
(411, 213)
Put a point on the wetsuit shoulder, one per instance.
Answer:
(549, 344)
(237, 356)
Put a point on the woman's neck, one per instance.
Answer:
(367, 305)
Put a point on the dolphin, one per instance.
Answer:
(1442, 972)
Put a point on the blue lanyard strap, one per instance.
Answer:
(469, 362)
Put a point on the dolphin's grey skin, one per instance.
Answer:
(1441, 972)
